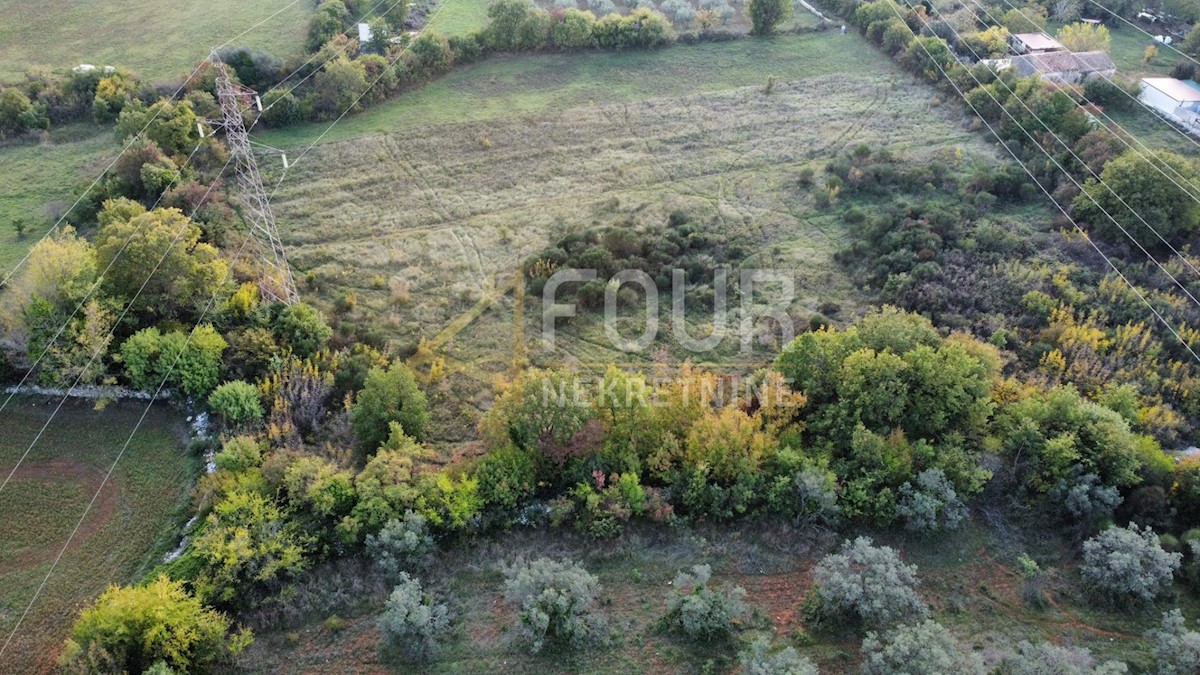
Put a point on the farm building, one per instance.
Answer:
(1177, 99)
(1063, 67)
(1035, 43)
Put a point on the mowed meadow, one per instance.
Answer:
(132, 523)
(421, 210)
(157, 39)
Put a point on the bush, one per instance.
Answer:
(188, 364)
(401, 545)
(765, 15)
(237, 402)
(239, 454)
(507, 477)
(865, 584)
(556, 601)
(302, 328)
(1049, 658)
(1084, 500)
(140, 626)
(388, 396)
(1176, 649)
(932, 505)
(757, 659)
(700, 612)
(1124, 564)
(925, 647)
(411, 623)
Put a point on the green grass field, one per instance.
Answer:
(419, 207)
(132, 523)
(40, 179)
(155, 38)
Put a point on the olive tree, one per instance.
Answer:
(866, 584)
(401, 544)
(701, 612)
(758, 659)
(925, 647)
(1051, 659)
(1128, 564)
(1176, 649)
(932, 505)
(556, 603)
(412, 622)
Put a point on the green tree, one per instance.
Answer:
(18, 114)
(1128, 564)
(172, 125)
(701, 612)
(1028, 19)
(412, 623)
(337, 88)
(381, 33)
(302, 328)
(186, 362)
(504, 22)
(237, 402)
(865, 584)
(574, 31)
(556, 602)
(1085, 37)
(1170, 209)
(388, 396)
(431, 55)
(132, 243)
(327, 22)
(160, 622)
(766, 15)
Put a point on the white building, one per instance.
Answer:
(1177, 99)
(1035, 43)
(364, 33)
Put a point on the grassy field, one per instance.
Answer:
(40, 177)
(970, 579)
(131, 524)
(158, 39)
(422, 206)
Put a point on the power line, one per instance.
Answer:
(1047, 192)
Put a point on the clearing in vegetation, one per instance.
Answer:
(158, 39)
(132, 523)
(447, 190)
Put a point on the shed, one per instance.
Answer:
(364, 33)
(1035, 43)
(1064, 67)
(1171, 96)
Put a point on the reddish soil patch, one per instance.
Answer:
(60, 471)
(779, 596)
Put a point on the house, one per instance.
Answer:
(1177, 99)
(1034, 43)
(1063, 67)
(364, 33)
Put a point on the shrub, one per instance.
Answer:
(766, 15)
(1084, 500)
(701, 612)
(411, 623)
(388, 396)
(925, 647)
(143, 625)
(816, 493)
(507, 477)
(187, 363)
(1176, 649)
(1048, 658)
(1128, 564)
(237, 402)
(302, 328)
(239, 454)
(866, 584)
(556, 601)
(401, 545)
(758, 659)
(932, 505)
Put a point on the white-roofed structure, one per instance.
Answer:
(1035, 43)
(364, 33)
(1177, 99)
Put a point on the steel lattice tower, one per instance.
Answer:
(278, 284)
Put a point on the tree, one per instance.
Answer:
(381, 33)
(1191, 43)
(397, 14)
(302, 328)
(431, 55)
(388, 396)
(18, 114)
(60, 270)
(139, 626)
(237, 402)
(925, 647)
(1028, 19)
(327, 22)
(556, 603)
(132, 243)
(186, 362)
(758, 659)
(1085, 37)
(932, 505)
(575, 30)
(401, 545)
(766, 15)
(412, 622)
(701, 612)
(1051, 659)
(1176, 649)
(1124, 564)
(866, 584)
(504, 21)
(171, 125)
(337, 88)
(542, 411)
(1139, 188)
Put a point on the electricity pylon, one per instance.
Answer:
(277, 283)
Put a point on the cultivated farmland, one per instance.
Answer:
(132, 523)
